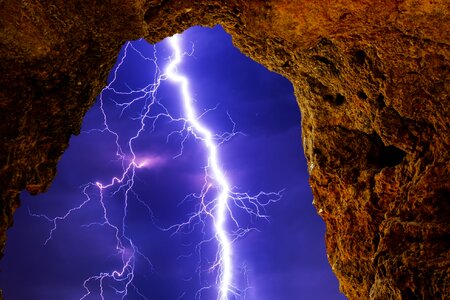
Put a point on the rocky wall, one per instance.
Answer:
(371, 79)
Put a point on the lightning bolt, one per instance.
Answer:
(221, 207)
(217, 210)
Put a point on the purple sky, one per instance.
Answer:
(285, 259)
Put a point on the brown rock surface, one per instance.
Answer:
(371, 79)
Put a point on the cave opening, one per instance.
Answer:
(284, 259)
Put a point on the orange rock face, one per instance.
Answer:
(371, 79)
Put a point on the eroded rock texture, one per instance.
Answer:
(371, 79)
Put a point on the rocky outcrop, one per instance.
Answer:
(371, 79)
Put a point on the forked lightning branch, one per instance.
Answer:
(218, 202)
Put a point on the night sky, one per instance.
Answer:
(284, 259)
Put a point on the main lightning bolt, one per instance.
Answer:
(218, 211)
(217, 174)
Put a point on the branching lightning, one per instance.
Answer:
(217, 200)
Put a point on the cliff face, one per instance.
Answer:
(372, 82)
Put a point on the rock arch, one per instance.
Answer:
(371, 79)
